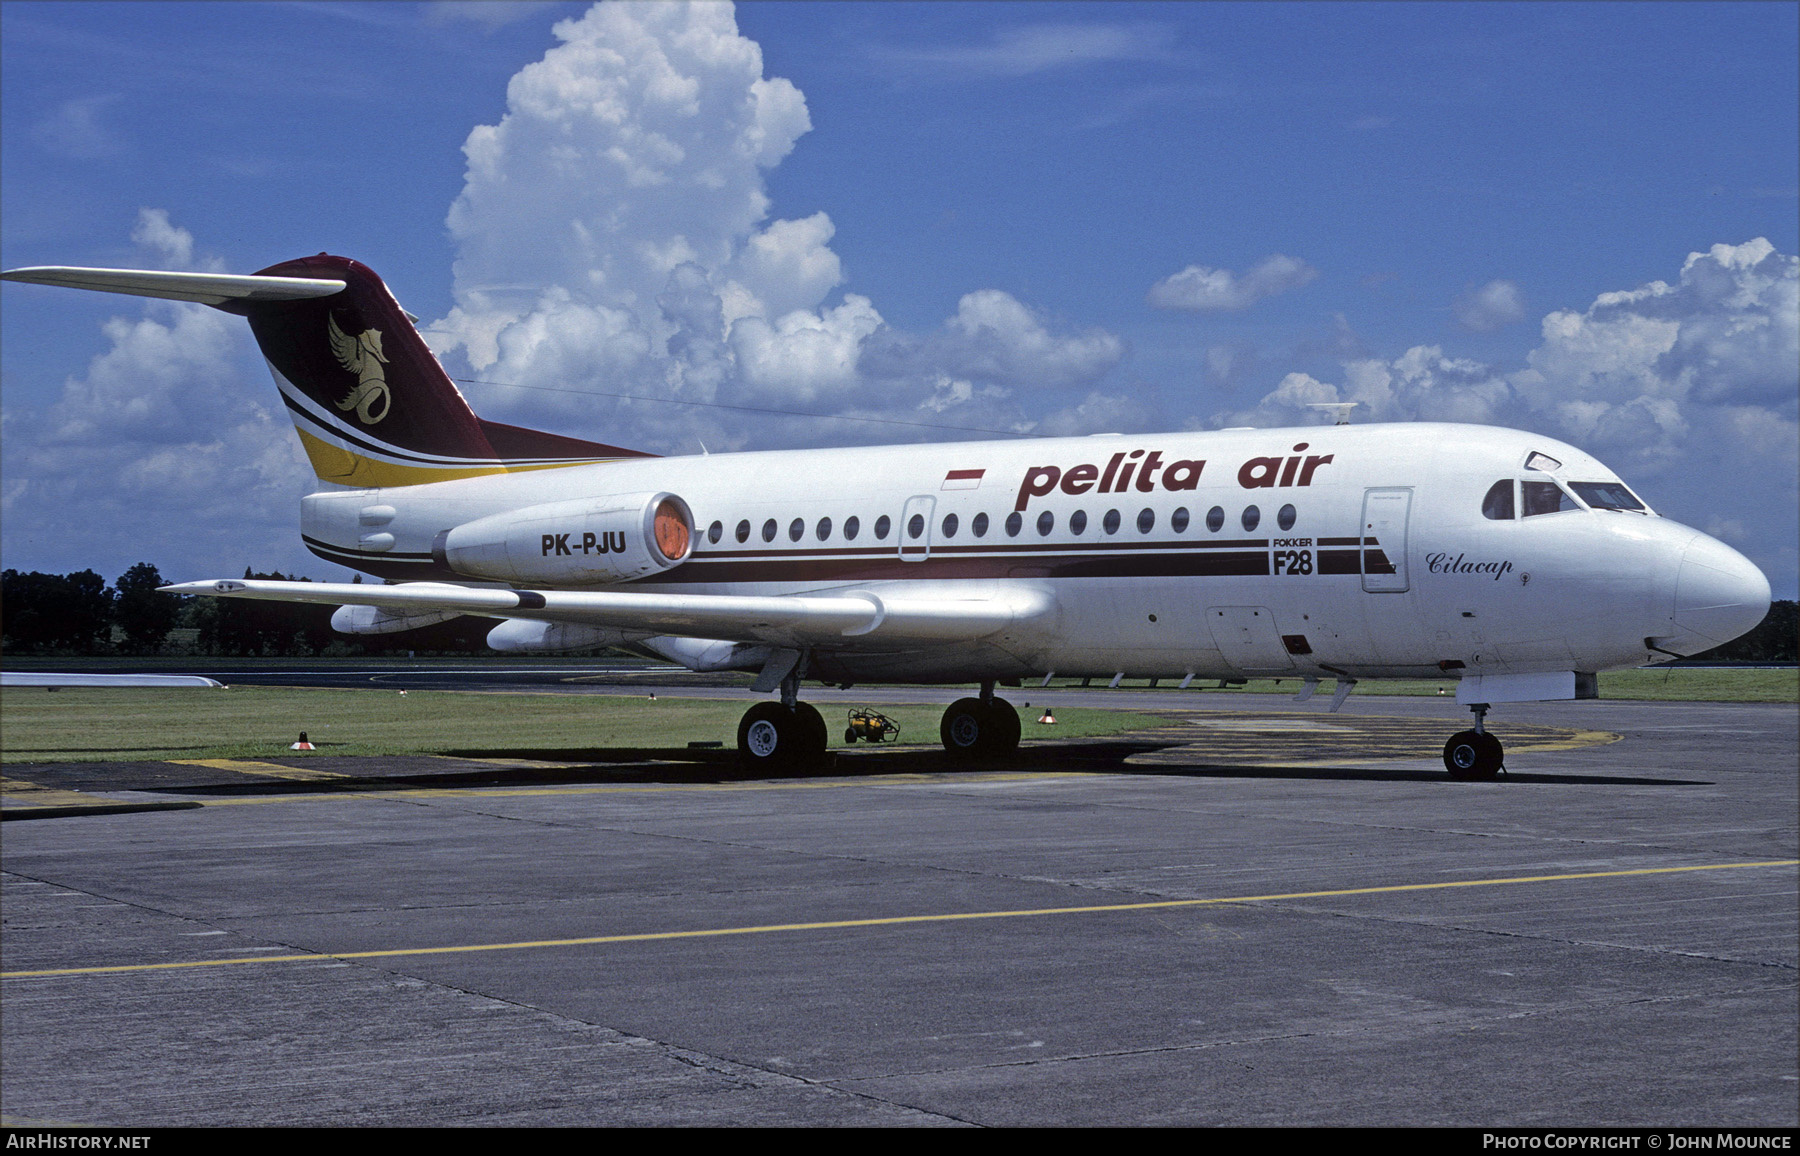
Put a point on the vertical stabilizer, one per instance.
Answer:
(371, 403)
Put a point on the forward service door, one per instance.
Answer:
(1384, 539)
(915, 528)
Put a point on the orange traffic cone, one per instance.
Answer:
(1048, 719)
(302, 745)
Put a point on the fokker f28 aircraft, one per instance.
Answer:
(1515, 564)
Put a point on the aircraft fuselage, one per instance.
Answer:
(1356, 551)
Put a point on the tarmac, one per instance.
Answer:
(1256, 913)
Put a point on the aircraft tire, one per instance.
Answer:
(1471, 756)
(814, 738)
(965, 727)
(769, 738)
(1005, 729)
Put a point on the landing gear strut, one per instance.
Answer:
(1474, 754)
(980, 728)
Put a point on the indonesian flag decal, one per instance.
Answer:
(963, 479)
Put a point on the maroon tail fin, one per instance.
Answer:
(371, 403)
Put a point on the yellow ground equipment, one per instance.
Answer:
(870, 727)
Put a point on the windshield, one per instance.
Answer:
(1545, 498)
(1608, 496)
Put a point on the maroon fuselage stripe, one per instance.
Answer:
(1228, 558)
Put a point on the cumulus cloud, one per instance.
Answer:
(1693, 384)
(614, 237)
(1496, 304)
(1199, 289)
(173, 435)
(1638, 367)
(165, 245)
(1100, 413)
(1635, 372)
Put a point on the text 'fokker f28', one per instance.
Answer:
(1518, 565)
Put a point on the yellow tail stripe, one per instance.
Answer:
(346, 467)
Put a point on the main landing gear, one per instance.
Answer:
(790, 735)
(980, 728)
(775, 736)
(1474, 754)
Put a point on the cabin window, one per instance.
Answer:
(978, 526)
(1608, 496)
(1178, 521)
(882, 526)
(769, 530)
(796, 528)
(1014, 521)
(1046, 523)
(1252, 516)
(949, 525)
(915, 526)
(1215, 519)
(823, 530)
(1543, 463)
(1146, 520)
(1110, 523)
(1078, 522)
(743, 530)
(851, 526)
(1545, 498)
(1285, 519)
(714, 532)
(1498, 505)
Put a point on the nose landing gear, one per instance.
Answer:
(1474, 754)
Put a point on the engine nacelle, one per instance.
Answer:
(375, 620)
(520, 634)
(585, 542)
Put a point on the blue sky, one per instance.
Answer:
(1043, 218)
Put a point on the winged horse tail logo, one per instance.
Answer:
(362, 356)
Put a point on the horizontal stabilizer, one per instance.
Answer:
(799, 618)
(206, 288)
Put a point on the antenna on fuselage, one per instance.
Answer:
(1340, 409)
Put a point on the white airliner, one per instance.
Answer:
(1513, 563)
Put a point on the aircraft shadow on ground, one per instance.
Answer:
(624, 766)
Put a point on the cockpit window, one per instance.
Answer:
(1498, 505)
(1608, 496)
(1545, 498)
(1544, 463)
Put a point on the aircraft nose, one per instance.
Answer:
(1719, 593)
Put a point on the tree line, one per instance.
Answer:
(79, 614)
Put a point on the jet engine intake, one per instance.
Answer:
(588, 541)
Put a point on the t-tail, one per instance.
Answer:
(370, 402)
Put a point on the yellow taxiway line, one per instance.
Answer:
(886, 921)
(267, 770)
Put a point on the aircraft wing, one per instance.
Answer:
(812, 619)
(207, 288)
